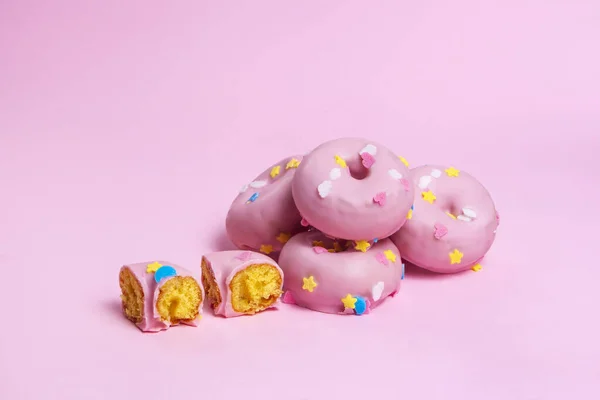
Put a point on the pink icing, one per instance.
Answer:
(151, 321)
(337, 274)
(428, 247)
(250, 225)
(225, 264)
(347, 209)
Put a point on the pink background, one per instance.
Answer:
(127, 127)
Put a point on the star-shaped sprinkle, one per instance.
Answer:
(318, 243)
(283, 237)
(367, 160)
(476, 267)
(362, 245)
(153, 267)
(293, 163)
(349, 301)
(452, 172)
(266, 248)
(428, 196)
(380, 257)
(390, 255)
(380, 197)
(341, 162)
(448, 213)
(252, 198)
(309, 283)
(455, 256)
(275, 171)
(403, 160)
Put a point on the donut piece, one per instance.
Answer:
(453, 222)
(263, 216)
(353, 189)
(241, 282)
(331, 277)
(157, 295)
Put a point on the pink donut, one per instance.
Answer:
(354, 189)
(453, 222)
(323, 275)
(263, 216)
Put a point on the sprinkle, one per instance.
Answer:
(244, 256)
(153, 267)
(367, 306)
(337, 247)
(436, 173)
(252, 198)
(390, 255)
(319, 249)
(288, 298)
(324, 188)
(377, 290)
(405, 183)
(275, 171)
(362, 245)
(371, 149)
(163, 272)
(304, 222)
(428, 196)
(381, 258)
(469, 212)
(349, 301)
(456, 257)
(424, 181)
(439, 230)
(403, 268)
(395, 174)
(375, 240)
(367, 160)
(463, 218)
(258, 184)
(318, 243)
(341, 162)
(360, 306)
(403, 160)
(244, 188)
(309, 283)
(409, 214)
(452, 172)
(335, 173)
(266, 248)
(448, 213)
(293, 163)
(380, 198)
(477, 267)
(283, 237)
(497, 217)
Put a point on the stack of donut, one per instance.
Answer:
(342, 219)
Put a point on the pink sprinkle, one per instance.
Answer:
(245, 256)
(367, 159)
(382, 258)
(380, 198)
(304, 222)
(497, 217)
(288, 298)
(368, 308)
(320, 250)
(405, 183)
(440, 231)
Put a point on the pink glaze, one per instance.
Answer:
(367, 199)
(338, 274)
(252, 224)
(151, 321)
(430, 236)
(225, 264)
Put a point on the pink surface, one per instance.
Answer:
(127, 128)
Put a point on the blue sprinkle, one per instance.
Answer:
(375, 240)
(412, 207)
(253, 198)
(361, 305)
(402, 272)
(164, 272)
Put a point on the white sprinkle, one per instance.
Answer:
(243, 188)
(372, 150)
(495, 231)
(436, 173)
(335, 173)
(469, 212)
(395, 174)
(377, 291)
(424, 181)
(463, 218)
(324, 188)
(258, 184)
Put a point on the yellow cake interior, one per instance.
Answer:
(211, 289)
(255, 288)
(132, 296)
(179, 299)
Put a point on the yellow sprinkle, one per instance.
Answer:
(349, 301)
(266, 248)
(409, 215)
(450, 215)
(452, 172)
(428, 196)
(331, 250)
(293, 163)
(403, 160)
(390, 255)
(318, 243)
(283, 237)
(362, 245)
(153, 267)
(309, 283)
(337, 247)
(275, 171)
(455, 257)
(341, 161)
(476, 267)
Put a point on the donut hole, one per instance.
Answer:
(357, 170)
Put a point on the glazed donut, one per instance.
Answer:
(329, 276)
(452, 224)
(263, 216)
(353, 189)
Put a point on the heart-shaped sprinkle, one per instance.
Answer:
(304, 222)
(324, 189)
(377, 291)
(371, 149)
(405, 184)
(469, 212)
(395, 174)
(463, 218)
(424, 181)
(380, 198)
(258, 184)
(367, 160)
(335, 173)
(436, 173)
(244, 188)
(382, 259)
(439, 230)
(319, 249)
(288, 298)
(245, 256)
